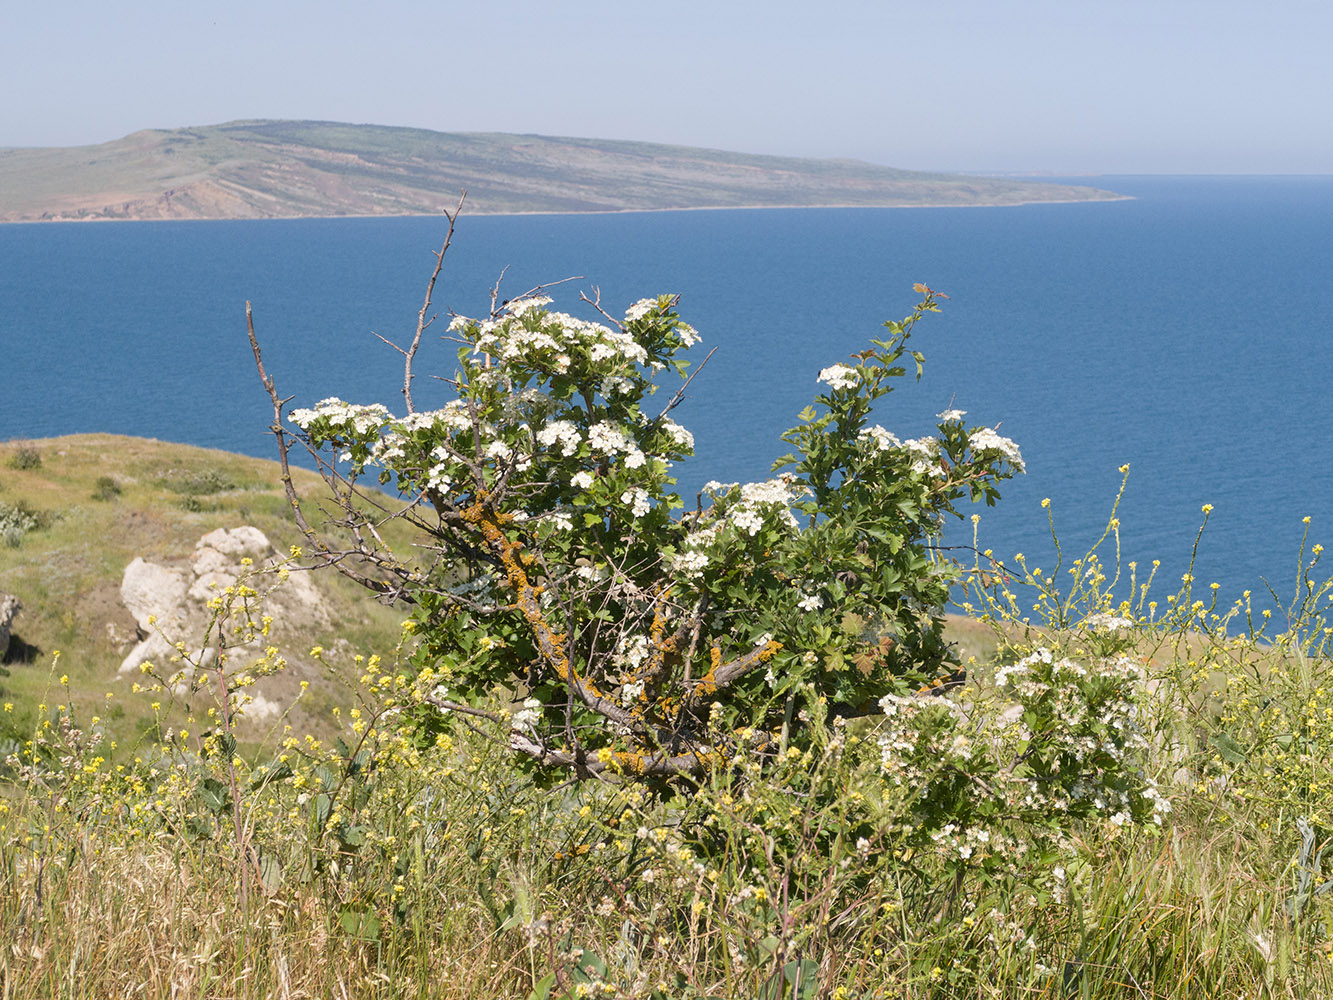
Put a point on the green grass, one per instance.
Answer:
(415, 859)
(160, 500)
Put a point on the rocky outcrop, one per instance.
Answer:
(9, 607)
(171, 602)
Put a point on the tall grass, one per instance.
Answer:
(409, 857)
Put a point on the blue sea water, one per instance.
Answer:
(1187, 332)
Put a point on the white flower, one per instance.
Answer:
(952, 416)
(713, 487)
(633, 653)
(615, 385)
(881, 439)
(637, 499)
(839, 376)
(689, 564)
(581, 480)
(438, 477)
(606, 437)
(682, 438)
(562, 431)
(924, 451)
(635, 459)
(640, 309)
(520, 307)
(811, 602)
(527, 717)
(764, 639)
(984, 439)
(1105, 622)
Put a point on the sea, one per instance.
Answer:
(1186, 332)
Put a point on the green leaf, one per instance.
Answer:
(1228, 749)
(214, 795)
(542, 991)
(359, 923)
(803, 976)
(270, 872)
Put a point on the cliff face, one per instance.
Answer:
(271, 169)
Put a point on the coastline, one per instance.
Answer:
(597, 211)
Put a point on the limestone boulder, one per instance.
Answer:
(177, 596)
(9, 607)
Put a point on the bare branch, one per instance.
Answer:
(680, 393)
(422, 322)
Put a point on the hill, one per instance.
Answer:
(281, 169)
(91, 505)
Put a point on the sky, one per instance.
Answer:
(1063, 87)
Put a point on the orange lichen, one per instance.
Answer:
(514, 560)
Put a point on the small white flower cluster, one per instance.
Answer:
(343, 418)
(689, 563)
(925, 453)
(636, 499)
(810, 602)
(772, 497)
(632, 651)
(879, 438)
(529, 331)
(965, 843)
(640, 309)
(680, 437)
(952, 416)
(840, 377)
(526, 718)
(562, 433)
(985, 440)
(1104, 621)
(606, 438)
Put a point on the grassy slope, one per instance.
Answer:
(68, 574)
(262, 169)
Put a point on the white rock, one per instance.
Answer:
(242, 541)
(149, 589)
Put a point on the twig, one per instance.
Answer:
(680, 393)
(422, 322)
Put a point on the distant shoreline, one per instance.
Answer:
(598, 211)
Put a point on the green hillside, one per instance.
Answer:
(275, 169)
(96, 502)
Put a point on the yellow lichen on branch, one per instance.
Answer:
(550, 644)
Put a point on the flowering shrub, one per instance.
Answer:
(642, 635)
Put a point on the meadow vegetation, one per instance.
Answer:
(625, 746)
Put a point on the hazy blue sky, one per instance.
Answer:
(1064, 86)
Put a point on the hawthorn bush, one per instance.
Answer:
(636, 633)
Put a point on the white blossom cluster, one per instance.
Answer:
(562, 433)
(345, 419)
(773, 497)
(526, 718)
(1104, 621)
(692, 559)
(879, 438)
(925, 453)
(529, 333)
(636, 498)
(985, 440)
(840, 377)
(1084, 753)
